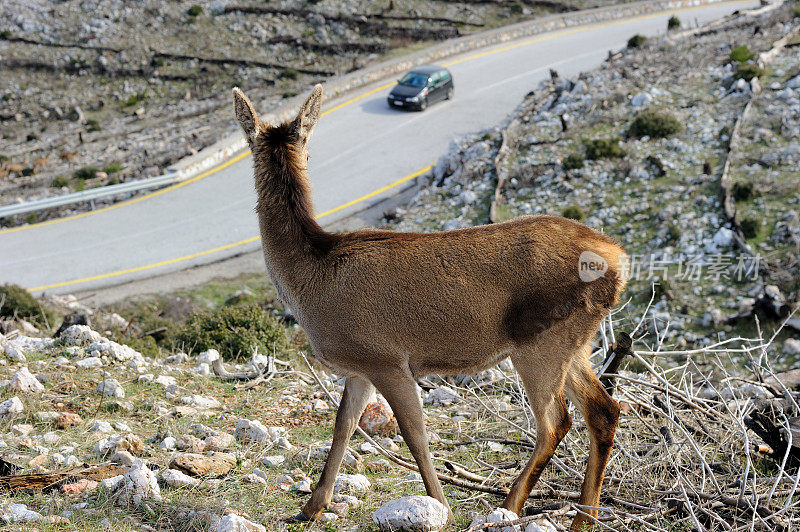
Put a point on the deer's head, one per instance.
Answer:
(293, 135)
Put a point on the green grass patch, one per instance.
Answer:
(603, 149)
(234, 331)
(636, 41)
(654, 124)
(573, 161)
(741, 54)
(113, 168)
(19, 303)
(87, 172)
(573, 212)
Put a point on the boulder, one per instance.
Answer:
(178, 479)
(138, 485)
(351, 484)
(24, 381)
(417, 513)
(11, 407)
(216, 464)
(378, 418)
(237, 523)
(67, 419)
(110, 388)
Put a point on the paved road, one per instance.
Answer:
(355, 150)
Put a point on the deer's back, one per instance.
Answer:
(459, 294)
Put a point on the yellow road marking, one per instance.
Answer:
(339, 106)
(226, 246)
(133, 200)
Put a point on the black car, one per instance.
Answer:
(422, 86)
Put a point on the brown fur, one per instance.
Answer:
(385, 307)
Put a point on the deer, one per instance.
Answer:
(384, 308)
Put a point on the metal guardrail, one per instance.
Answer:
(91, 194)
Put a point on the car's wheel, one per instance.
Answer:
(423, 104)
(449, 95)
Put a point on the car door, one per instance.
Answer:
(435, 92)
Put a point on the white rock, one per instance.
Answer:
(168, 443)
(641, 99)
(110, 388)
(351, 483)
(112, 483)
(794, 83)
(208, 357)
(138, 485)
(89, 362)
(102, 426)
(443, 395)
(24, 381)
(79, 335)
(417, 513)
(499, 515)
(248, 430)
(252, 478)
(14, 512)
(723, 237)
(11, 407)
(203, 369)
(165, 380)
(273, 461)
(237, 523)
(118, 352)
(541, 526)
(791, 346)
(177, 479)
(200, 401)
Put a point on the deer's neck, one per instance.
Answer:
(294, 243)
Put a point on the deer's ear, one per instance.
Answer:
(309, 114)
(245, 115)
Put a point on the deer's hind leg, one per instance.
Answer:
(601, 413)
(543, 375)
(357, 392)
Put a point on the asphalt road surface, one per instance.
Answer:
(357, 149)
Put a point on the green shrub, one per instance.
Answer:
(573, 161)
(673, 233)
(60, 181)
(113, 168)
(28, 171)
(796, 11)
(750, 227)
(233, 331)
(19, 303)
(741, 54)
(92, 125)
(3, 158)
(134, 99)
(654, 124)
(743, 191)
(603, 149)
(194, 11)
(748, 71)
(5, 34)
(31, 218)
(636, 41)
(288, 73)
(157, 62)
(573, 212)
(87, 172)
(673, 23)
(32, 136)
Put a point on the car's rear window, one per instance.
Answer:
(414, 79)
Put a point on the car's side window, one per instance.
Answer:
(445, 75)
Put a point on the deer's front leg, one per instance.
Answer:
(357, 392)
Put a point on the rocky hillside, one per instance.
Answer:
(100, 92)
(684, 149)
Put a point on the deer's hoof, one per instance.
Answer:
(299, 518)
